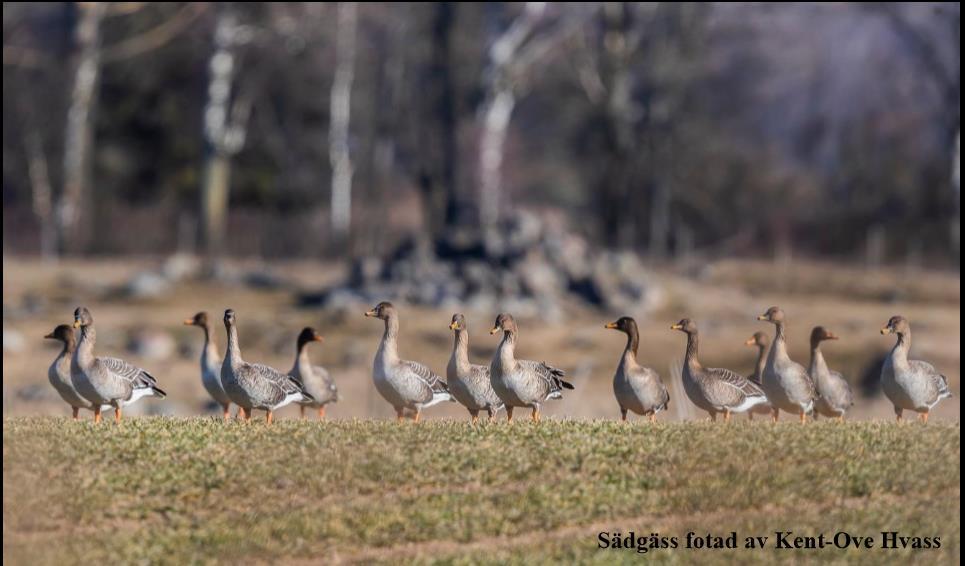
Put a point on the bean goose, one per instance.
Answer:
(106, 381)
(59, 372)
(406, 385)
(255, 386)
(316, 379)
(636, 388)
(469, 383)
(834, 392)
(911, 385)
(715, 390)
(521, 383)
(761, 342)
(787, 384)
(210, 363)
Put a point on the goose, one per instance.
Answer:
(834, 392)
(316, 379)
(255, 386)
(715, 390)
(911, 385)
(406, 385)
(522, 383)
(106, 381)
(469, 383)
(787, 384)
(637, 388)
(761, 342)
(210, 363)
(59, 372)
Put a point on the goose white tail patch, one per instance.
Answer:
(748, 404)
(438, 398)
(289, 399)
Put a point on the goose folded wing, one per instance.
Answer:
(745, 386)
(128, 372)
(427, 376)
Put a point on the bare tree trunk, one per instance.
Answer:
(341, 107)
(498, 109)
(437, 140)
(225, 127)
(40, 193)
(78, 137)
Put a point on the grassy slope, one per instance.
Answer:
(193, 489)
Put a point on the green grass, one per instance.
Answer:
(196, 490)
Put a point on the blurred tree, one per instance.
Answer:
(72, 207)
(341, 107)
(225, 129)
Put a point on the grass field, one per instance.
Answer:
(196, 490)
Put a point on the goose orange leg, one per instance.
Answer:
(535, 415)
(75, 411)
(269, 417)
(117, 414)
(418, 415)
(247, 413)
(97, 414)
(898, 415)
(923, 417)
(509, 414)
(775, 414)
(804, 417)
(399, 414)
(726, 416)
(653, 418)
(623, 414)
(475, 416)
(492, 414)
(321, 413)
(226, 412)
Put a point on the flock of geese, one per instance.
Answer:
(86, 381)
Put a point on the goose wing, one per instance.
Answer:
(270, 386)
(928, 371)
(744, 386)
(552, 377)
(138, 378)
(433, 381)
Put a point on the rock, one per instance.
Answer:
(147, 285)
(152, 344)
(179, 267)
(13, 341)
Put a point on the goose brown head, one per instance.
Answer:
(685, 325)
(458, 322)
(773, 315)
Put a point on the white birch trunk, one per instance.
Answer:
(78, 137)
(340, 110)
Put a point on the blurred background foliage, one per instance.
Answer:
(308, 129)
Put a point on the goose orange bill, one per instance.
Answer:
(750, 341)
(494, 330)
(370, 312)
(886, 330)
(610, 325)
(189, 322)
(452, 325)
(675, 326)
(762, 317)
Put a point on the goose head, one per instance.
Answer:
(308, 334)
(82, 317)
(820, 334)
(774, 315)
(63, 332)
(200, 320)
(624, 324)
(759, 339)
(685, 325)
(897, 325)
(504, 322)
(458, 322)
(383, 310)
